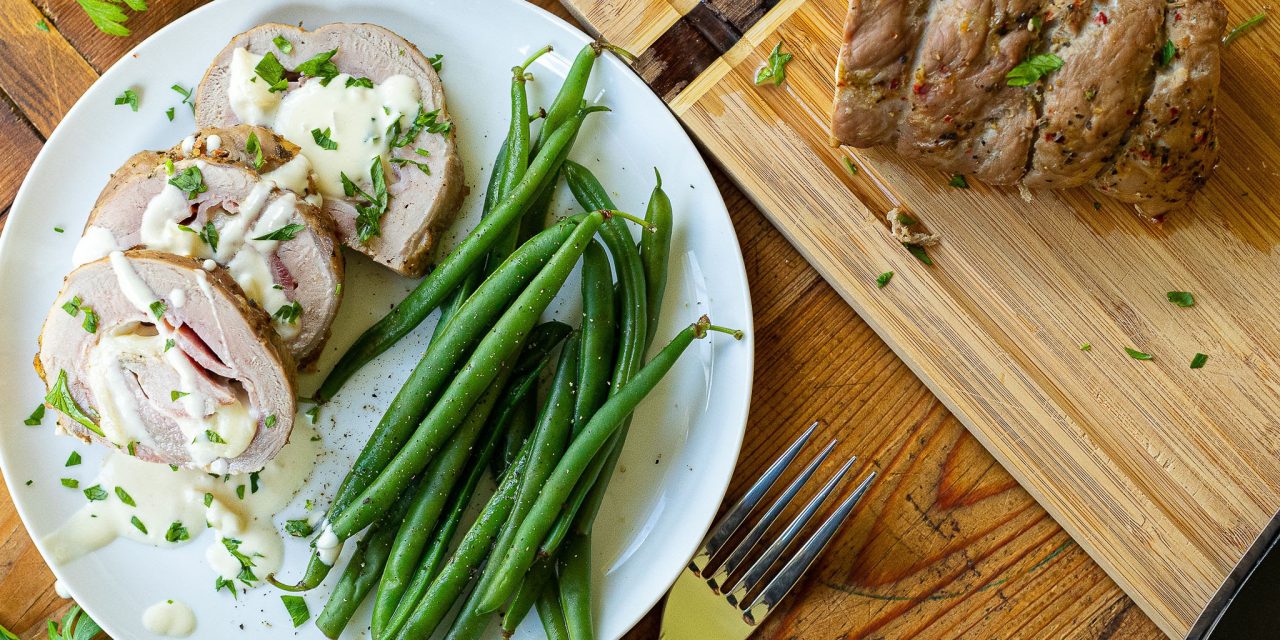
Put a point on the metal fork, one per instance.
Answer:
(705, 605)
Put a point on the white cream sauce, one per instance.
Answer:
(95, 244)
(169, 618)
(233, 422)
(328, 546)
(164, 497)
(357, 118)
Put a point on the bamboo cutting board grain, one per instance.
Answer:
(1165, 474)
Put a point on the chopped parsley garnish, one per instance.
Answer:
(906, 220)
(59, 397)
(137, 524)
(109, 17)
(190, 181)
(369, 213)
(208, 499)
(287, 232)
(851, 168)
(437, 61)
(169, 113)
(90, 323)
(254, 148)
(1199, 360)
(36, 417)
(958, 181)
(209, 234)
(1032, 69)
(309, 504)
(132, 448)
(186, 97)
(288, 313)
(1181, 298)
(240, 492)
(158, 308)
(73, 459)
(1166, 53)
(253, 481)
(883, 279)
(319, 66)
(312, 414)
(298, 528)
(169, 344)
(1086, 347)
(359, 82)
(212, 436)
(422, 166)
(72, 306)
(71, 483)
(221, 583)
(129, 97)
(272, 72)
(297, 608)
(323, 140)
(425, 120)
(43, 26)
(125, 497)
(919, 252)
(1137, 355)
(168, 167)
(76, 624)
(1243, 28)
(1035, 23)
(59, 230)
(283, 45)
(269, 421)
(175, 394)
(177, 532)
(95, 493)
(775, 68)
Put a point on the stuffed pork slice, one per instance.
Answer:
(149, 353)
(368, 110)
(281, 250)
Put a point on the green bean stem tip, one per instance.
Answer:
(609, 213)
(703, 325)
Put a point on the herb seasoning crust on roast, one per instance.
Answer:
(1118, 93)
(367, 109)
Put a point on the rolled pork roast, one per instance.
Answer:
(150, 353)
(207, 199)
(368, 110)
(1130, 110)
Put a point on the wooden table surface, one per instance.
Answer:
(945, 545)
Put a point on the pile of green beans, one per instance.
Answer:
(472, 403)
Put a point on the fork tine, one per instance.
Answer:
(739, 553)
(738, 594)
(728, 525)
(786, 579)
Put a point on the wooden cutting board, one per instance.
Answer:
(1165, 474)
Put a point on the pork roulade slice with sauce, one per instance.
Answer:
(208, 204)
(149, 353)
(368, 110)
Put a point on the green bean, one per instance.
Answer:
(433, 371)
(428, 503)
(427, 613)
(550, 437)
(471, 381)
(530, 590)
(553, 619)
(599, 328)
(446, 277)
(572, 90)
(362, 572)
(536, 218)
(523, 415)
(575, 587)
(655, 252)
(517, 147)
(533, 529)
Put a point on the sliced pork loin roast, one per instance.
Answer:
(199, 200)
(150, 353)
(368, 110)
(932, 78)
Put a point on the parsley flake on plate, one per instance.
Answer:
(775, 67)
(129, 97)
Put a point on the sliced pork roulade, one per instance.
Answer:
(193, 201)
(368, 110)
(150, 353)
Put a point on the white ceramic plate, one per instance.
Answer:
(685, 438)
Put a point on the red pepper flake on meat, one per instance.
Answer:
(920, 89)
(1102, 18)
